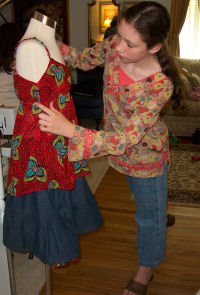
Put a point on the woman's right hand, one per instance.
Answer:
(51, 120)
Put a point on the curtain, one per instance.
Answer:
(189, 37)
(178, 14)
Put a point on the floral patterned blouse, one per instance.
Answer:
(134, 138)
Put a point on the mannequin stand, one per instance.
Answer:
(48, 274)
(11, 272)
(49, 289)
(49, 281)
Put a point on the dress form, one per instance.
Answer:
(31, 57)
(31, 63)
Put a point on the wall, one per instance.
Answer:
(78, 21)
(78, 10)
(95, 34)
(166, 3)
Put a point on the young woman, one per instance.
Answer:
(139, 79)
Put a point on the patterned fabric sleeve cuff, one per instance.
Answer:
(80, 144)
(64, 50)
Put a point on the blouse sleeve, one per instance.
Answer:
(88, 58)
(88, 143)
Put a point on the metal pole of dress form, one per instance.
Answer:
(32, 61)
(11, 271)
(7, 279)
(7, 276)
(49, 283)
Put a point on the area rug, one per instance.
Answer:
(184, 175)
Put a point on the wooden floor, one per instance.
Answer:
(109, 257)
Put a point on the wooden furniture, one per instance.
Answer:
(184, 121)
(58, 10)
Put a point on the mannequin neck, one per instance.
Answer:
(37, 28)
(45, 19)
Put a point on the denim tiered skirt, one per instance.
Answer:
(47, 223)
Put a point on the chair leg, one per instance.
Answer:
(49, 282)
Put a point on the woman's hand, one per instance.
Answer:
(53, 121)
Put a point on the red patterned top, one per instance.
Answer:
(39, 160)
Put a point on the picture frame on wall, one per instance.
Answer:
(107, 10)
(4, 2)
(126, 5)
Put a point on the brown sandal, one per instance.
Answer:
(137, 288)
(170, 220)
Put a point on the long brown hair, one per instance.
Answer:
(9, 36)
(152, 21)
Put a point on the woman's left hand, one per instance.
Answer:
(55, 122)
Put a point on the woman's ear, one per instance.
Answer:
(155, 48)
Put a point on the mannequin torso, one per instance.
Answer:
(31, 57)
(48, 185)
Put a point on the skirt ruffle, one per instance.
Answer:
(48, 223)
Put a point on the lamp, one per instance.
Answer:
(106, 13)
(107, 22)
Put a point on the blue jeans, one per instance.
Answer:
(151, 197)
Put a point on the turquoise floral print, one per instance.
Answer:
(11, 188)
(53, 184)
(14, 146)
(34, 171)
(35, 93)
(20, 110)
(80, 165)
(59, 145)
(57, 72)
(62, 100)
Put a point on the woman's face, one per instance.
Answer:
(130, 47)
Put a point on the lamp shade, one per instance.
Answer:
(107, 22)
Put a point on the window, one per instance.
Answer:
(189, 37)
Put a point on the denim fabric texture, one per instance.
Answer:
(151, 198)
(47, 223)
